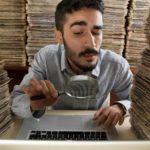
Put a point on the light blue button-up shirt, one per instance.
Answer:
(112, 73)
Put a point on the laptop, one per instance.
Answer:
(65, 127)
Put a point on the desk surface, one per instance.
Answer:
(124, 131)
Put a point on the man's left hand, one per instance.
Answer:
(109, 116)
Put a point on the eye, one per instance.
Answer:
(77, 30)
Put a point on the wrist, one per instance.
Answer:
(121, 107)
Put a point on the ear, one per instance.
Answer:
(58, 36)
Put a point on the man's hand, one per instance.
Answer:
(38, 87)
(110, 116)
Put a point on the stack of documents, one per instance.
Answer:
(5, 114)
(12, 32)
(147, 29)
(136, 38)
(140, 95)
(114, 25)
(41, 25)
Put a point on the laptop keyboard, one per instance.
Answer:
(68, 135)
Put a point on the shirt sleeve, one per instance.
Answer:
(20, 102)
(123, 84)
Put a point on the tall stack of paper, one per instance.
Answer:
(5, 114)
(136, 40)
(114, 25)
(140, 95)
(12, 32)
(147, 28)
(41, 25)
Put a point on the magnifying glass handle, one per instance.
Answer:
(61, 93)
(37, 97)
(42, 96)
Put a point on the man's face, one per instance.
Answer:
(82, 38)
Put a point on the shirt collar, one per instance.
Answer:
(95, 72)
(63, 58)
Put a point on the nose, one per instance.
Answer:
(90, 41)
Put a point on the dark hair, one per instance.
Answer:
(69, 6)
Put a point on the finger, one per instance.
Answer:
(26, 89)
(103, 116)
(36, 85)
(116, 119)
(45, 89)
(100, 120)
(98, 113)
(53, 92)
(121, 121)
(49, 99)
(109, 120)
(52, 89)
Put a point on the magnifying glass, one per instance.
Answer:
(77, 87)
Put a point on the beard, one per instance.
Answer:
(70, 54)
(84, 68)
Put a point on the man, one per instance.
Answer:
(79, 34)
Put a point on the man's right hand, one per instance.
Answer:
(38, 87)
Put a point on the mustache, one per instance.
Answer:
(89, 51)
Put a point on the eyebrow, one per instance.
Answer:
(83, 23)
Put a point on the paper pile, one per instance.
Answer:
(136, 38)
(114, 25)
(140, 95)
(12, 32)
(41, 25)
(5, 114)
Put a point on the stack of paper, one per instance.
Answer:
(114, 25)
(136, 39)
(5, 114)
(147, 29)
(41, 25)
(12, 32)
(140, 95)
